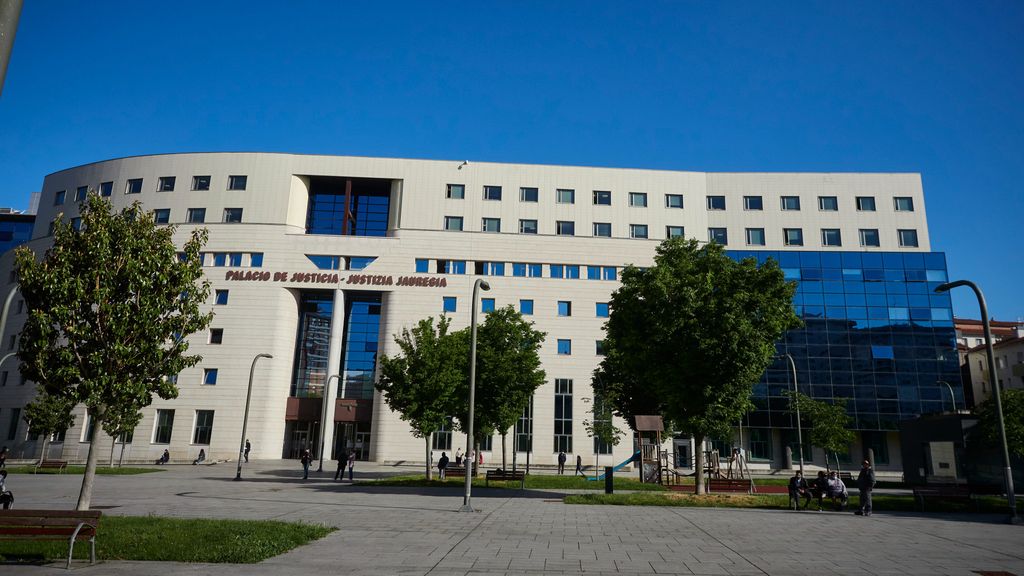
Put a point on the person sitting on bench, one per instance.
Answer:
(164, 458)
(798, 489)
(201, 458)
(837, 490)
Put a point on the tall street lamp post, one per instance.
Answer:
(799, 428)
(1007, 470)
(245, 417)
(327, 403)
(467, 499)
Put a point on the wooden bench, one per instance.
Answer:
(455, 472)
(499, 475)
(948, 492)
(730, 485)
(70, 525)
(60, 465)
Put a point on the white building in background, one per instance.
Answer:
(320, 260)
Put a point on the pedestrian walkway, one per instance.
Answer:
(389, 530)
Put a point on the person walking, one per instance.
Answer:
(579, 466)
(442, 465)
(351, 463)
(248, 447)
(305, 459)
(865, 484)
(342, 462)
(561, 462)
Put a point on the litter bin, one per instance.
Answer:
(609, 484)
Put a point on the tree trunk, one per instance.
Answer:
(120, 458)
(503, 434)
(46, 446)
(698, 463)
(85, 496)
(430, 469)
(113, 444)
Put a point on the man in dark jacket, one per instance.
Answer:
(865, 483)
(797, 490)
(442, 465)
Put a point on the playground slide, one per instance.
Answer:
(619, 467)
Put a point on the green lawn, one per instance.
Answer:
(176, 540)
(125, 471)
(534, 481)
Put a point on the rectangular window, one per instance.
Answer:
(237, 182)
(869, 237)
(903, 203)
(449, 304)
(674, 231)
(718, 235)
(233, 215)
(210, 376)
(195, 215)
(76, 224)
(793, 236)
(524, 270)
(527, 226)
(441, 439)
(753, 203)
(602, 229)
(638, 199)
(204, 427)
(58, 198)
(492, 192)
(565, 228)
(610, 273)
(106, 189)
(200, 183)
(599, 348)
(674, 201)
(602, 198)
(526, 307)
(908, 238)
(557, 271)
(593, 272)
(360, 262)
(256, 260)
(220, 297)
(164, 424)
(81, 193)
(422, 266)
(638, 230)
(716, 202)
(12, 429)
(487, 305)
(565, 196)
(755, 236)
(456, 191)
(133, 186)
(451, 266)
(602, 309)
(760, 444)
(523, 435)
(220, 258)
(563, 415)
(453, 223)
(165, 184)
(564, 346)
(216, 335)
(572, 271)
(491, 225)
(831, 237)
(790, 202)
(528, 194)
(866, 203)
(564, 308)
(162, 215)
(828, 203)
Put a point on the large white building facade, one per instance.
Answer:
(320, 260)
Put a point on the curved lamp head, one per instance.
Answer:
(949, 285)
(484, 285)
(264, 356)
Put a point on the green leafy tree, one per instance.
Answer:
(109, 307)
(830, 424)
(120, 421)
(508, 373)
(49, 414)
(987, 430)
(600, 424)
(422, 383)
(688, 337)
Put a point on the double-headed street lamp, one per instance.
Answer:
(467, 499)
(796, 401)
(1007, 470)
(245, 417)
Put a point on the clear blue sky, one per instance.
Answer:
(930, 87)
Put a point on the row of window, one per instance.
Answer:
(526, 306)
(163, 184)
(197, 215)
(639, 199)
(163, 426)
(519, 269)
(229, 259)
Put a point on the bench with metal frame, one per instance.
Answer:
(730, 485)
(499, 475)
(60, 465)
(70, 525)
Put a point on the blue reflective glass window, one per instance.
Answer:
(892, 260)
(526, 307)
(518, 269)
(874, 275)
(894, 275)
(835, 312)
(852, 260)
(534, 270)
(814, 299)
(210, 376)
(610, 273)
(935, 275)
(899, 313)
(256, 260)
(593, 272)
(557, 271)
(454, 266)
(811, 273)
(878, 313)
(448, 303)
(872, 259)
(935, 260)
(602, 309)
(220, 258)
(856, 300)
(856, 312)
(360, 262)
(221, 297)
(422, 265)
(564, 347)
(918, 301)
(487, 304)
(564, 308)
(572, 271)
(831, 260)
(235, 259)
(810, 259)
(942, 314)
(920, 313)
(832, 287)
(323, 262)
(835, 299)
(497, 268)
(791, 273)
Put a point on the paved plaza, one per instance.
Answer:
(419, 531)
